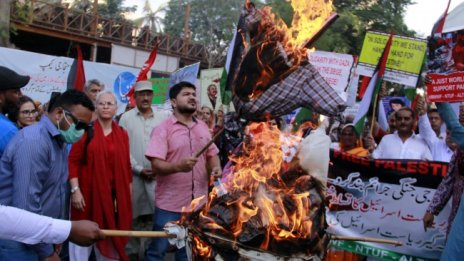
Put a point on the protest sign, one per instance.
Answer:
(50, 74)
(404, 60)
(385, 199)
(160, 90)
(445, 67)
(335, 68)
(210, 91)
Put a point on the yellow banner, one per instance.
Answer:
(406, 54)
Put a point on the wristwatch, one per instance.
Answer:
(74, 189)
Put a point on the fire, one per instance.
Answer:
(278, 49)
(201, 249)
(260, 193)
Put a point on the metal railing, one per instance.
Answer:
(61, 18)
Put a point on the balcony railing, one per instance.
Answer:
(61, 18)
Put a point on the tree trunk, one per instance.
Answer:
(5, 23)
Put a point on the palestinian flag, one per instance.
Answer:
(373, 88)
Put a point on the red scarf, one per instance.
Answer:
(107, 195)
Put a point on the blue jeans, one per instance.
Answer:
(159, 246)
(15, 251)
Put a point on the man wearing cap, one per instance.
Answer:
(139, 122)
(10, 91)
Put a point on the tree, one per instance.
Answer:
(346, 35)
(152, 18)
(5, 23)
(212, 23)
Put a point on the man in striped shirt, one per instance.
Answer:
(34, 168)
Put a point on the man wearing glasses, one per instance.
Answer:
(34, 168)
(10, 92)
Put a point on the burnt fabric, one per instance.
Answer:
(104, 181)
(304, 87)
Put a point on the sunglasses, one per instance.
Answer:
(80, 125)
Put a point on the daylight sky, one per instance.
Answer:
(419, 17)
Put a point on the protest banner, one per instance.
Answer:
(445, 67)
(335, 68)
(50, 74)
(160, 90)
(404, 60)
(210, 89)
(385, 199)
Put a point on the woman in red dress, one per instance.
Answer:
(100, 177)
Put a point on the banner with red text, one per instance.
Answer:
(445, 67)
(385, 199)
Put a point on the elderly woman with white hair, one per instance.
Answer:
(100, 178)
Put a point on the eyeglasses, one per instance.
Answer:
(80, 125)
(29, 112)
(109, 104)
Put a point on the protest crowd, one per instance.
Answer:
(73, 167)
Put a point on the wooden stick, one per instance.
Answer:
(209, 143)
(367, 239)
(126, 233)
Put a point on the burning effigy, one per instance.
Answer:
(270, 73)
(264, 207)
(267, 207)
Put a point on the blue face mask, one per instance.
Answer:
(71, 135)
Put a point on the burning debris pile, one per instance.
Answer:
(268, 206)
(270, 72)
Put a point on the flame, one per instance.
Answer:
(262, 193)
(201, 248)
(281, 48)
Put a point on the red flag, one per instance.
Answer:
(142, 75)
(441, 22)
(76, 76)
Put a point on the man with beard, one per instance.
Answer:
(10, 91)
(212, 95)
(180, 176)
(139, 123)
(403, 144)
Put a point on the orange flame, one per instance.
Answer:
(201, 248)
(286, 45)
(252, 178)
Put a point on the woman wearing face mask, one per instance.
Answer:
(26, 114)
(100, 178)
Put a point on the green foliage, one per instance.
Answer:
(212, 23)
(113, 9)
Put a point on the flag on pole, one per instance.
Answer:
(438, 28)
(370, 97)
(142, 74)
(186, 74)
(76, 76)
(226, 93)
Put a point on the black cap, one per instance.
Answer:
(10, 80)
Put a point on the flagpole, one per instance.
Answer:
(371, 124)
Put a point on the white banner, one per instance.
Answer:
(50, 73)
(335, 68)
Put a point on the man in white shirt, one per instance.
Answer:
(30, 228)
(430, 131)
(139, 122)
(403, 144)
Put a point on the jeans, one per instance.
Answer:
(159, 246)
(15, 251)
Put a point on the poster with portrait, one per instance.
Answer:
(445, 67)
(210, 94)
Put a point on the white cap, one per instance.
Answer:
(143, 86)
